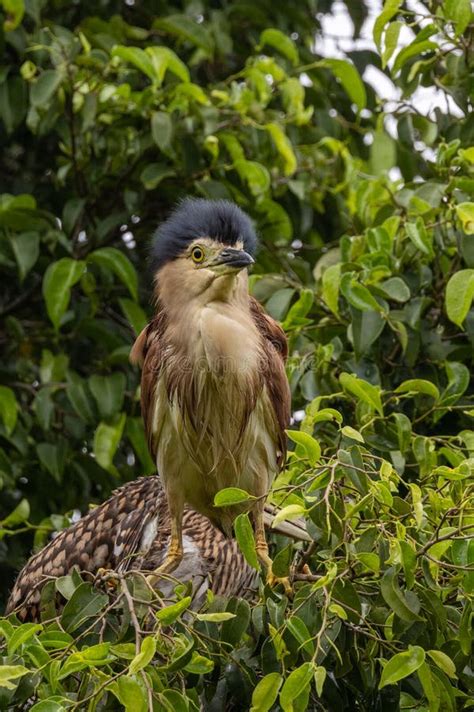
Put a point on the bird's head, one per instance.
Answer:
(202, 250)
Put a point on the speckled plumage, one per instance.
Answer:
(131, 530)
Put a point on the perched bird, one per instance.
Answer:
(131, 531)
(214, 393)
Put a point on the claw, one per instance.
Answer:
(273, 581)
(171, 562)
(109, 579)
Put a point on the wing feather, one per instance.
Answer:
(275, 348)
(147, 352)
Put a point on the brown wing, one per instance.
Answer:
(275, 352)
(147, 352)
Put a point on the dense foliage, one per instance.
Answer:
(108, 113)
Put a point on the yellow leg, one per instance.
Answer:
(262, 553)
(175, 550)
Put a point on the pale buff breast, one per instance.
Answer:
(224, 442)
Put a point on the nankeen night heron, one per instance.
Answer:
(215, 396)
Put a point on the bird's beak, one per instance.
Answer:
(236, 259)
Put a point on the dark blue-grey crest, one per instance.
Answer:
(193, 218)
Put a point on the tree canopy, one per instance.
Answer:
(109, 113)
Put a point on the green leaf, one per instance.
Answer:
(48, 706)
(58, 280)
(114, 260)
(444, 662)
(199, 665)
(277, 305)
(390, 9)
(383, 153)
(170, 614)
(245, 539)
(134, 314)
(254, 174)
(281, 42)
(330, 287)
(361, 389)
(459, 295)
(136, 56)
(9, 673)
(163, 59)
(465, 212)
(145, 656)
(284, 148)
(402, 665)
(14, 9)
(130, 694)
(266, 692)
(215, 617)
(408, 559)
(234, 629)
(419, 385)
(26, 248)
(80, 398)
(308, 445)
(459, 12)
(43, 88)
(419, 236)
(394, 597)
(85, 603)
(21, 635)
(365, 329)
(413, 49)
(392, 34)
(359, 296)
(161, 129)
(300, 632)
(395, 289)
(8, 408)
(296, 682)
(108, 392)
(106, 441)
(350, 79)
(56, 639)
(352, 433)
(291, 511)
(370, 560)
(19, 515)
(53, 458)
(186, 29)
(154, 173)
(320, 674)
(135, 432)
(231, 495)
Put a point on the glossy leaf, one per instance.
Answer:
(266, 692)
(244, 535)
(114, 260)
(459, 295)
(58, 280)
(402, 665)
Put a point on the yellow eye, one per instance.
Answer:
(197, 254)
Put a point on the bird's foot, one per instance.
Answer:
(171, 562)
(109, 578)
(273, 581)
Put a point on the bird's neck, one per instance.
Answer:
(214, 327)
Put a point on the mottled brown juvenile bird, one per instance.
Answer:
(215, 397)
(131, 531)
